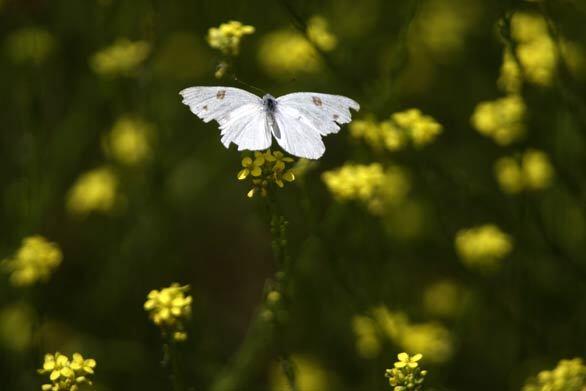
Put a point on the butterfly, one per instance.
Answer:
(297, 121)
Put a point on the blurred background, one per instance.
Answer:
(448, 219)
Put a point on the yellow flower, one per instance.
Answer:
(66, 374)
(533, 171)
(483, 247)
(34, 261)
(128, 141)
(251, 167)
(284, 53)
(310, 375)
(537, 169)
(535, 51)
(31, 44)
(169, 308)
(501, 120)
(227, 37)
(568, 375)
(17, 323)
(393, 134)
(319, 34)
(374, 186)
(95, 190)
(406, 373)
(123, 57)
(443, 298)
(266, 168)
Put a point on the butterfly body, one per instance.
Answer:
(297, 121)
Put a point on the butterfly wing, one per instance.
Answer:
(304, 117)
(240, 115)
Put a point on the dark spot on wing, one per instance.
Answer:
(221, 94)
(205, 108)
(316, 101)
(336, 116)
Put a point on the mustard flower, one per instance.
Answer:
(501, 119)
(283, 53)
(30, 45)
(17, 322)
(410, 125)
(530, 172)
(568, 375)
(268, 167)
(66, 374)
(432, 339)
(406, 373)
(483, 247)
(443, 298)
(319, 34)
(123, 57)
(310, 375)
(94, 191)
(370, 184)
(169, 309)
(128, 141)
(535, 51)
(227, 36)
(34, 261)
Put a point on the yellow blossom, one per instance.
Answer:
(17, 323)
(29, 45)
(432, 339)
(443, 298)
(169, 308)
(535, 51)
(319, 34)
(310, 375)
(501, 119)
(128, 141)
(95, 190)
(65, 374)
(483, 247)
(34, 261)
(532, 171)
(406, 373)
(227, 36)
(370, 184)
(285, 53)
(568, 375)
(269, 167)
(123, 57)
(394, 133)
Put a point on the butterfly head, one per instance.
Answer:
(269, 103)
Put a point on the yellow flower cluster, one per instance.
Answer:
(128, 141)
(406, 373)
(227, 37)
(34, 261)
(443, 298)
(95, 190)
(265, 169)
(285, 53)
(169, 308)
(431, 338)
(29, 45)
(532, 171)
(501, 119)
(309, 375)
(123, 57)
(535, 51)
(66, 374)
(568, 375)
(370, 184)
(483, 247)
(394, 133)
(319, 34)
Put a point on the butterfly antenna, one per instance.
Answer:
(249, 85)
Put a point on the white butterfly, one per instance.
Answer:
(298, 121)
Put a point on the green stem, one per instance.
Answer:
(171, 363)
